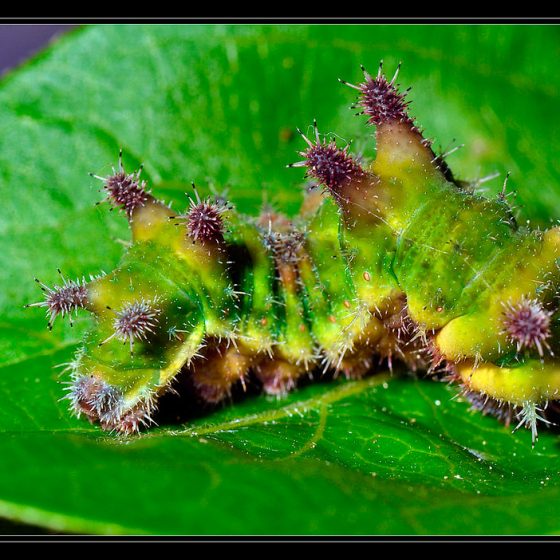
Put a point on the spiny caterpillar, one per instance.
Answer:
(393, 260)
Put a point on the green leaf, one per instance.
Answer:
(219, 104)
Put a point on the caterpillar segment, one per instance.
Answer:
(391, 261)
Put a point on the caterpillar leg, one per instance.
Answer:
(220, 366)
(527, 388)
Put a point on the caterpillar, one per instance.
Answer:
(393, 260)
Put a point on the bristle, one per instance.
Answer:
(63, 300)
(485, 404)
(331, 166)
(529, 416)
(435, 360)
(527, 324)
(381, 101)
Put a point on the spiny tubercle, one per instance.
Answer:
(124, 190)
(95, 398)
(330, 165)
(527, 324)
(135, 321)
(204, 219)
(100, 401)
(285, 246)
(380, 99)
(62, 300)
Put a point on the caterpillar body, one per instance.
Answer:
(396, 260)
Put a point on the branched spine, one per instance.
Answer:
(331, 166)
(125, 190)
(527, 324)
(62, 300)
(380, 100)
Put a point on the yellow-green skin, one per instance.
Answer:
(459, 259)
(456, 257)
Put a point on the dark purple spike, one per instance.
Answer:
(204, 222)
(135, 321)
(328, 164)
(527, 324)
(124, 190)
(380, 99)
(204, 219)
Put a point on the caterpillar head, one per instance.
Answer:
(62, 300)
(153, 311)
(146, 326)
